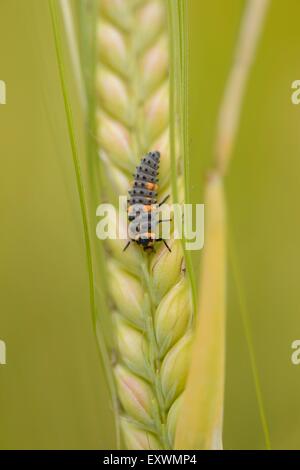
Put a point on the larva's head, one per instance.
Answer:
(146, 240)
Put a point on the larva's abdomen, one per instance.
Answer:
(144, 190)
(144, 193)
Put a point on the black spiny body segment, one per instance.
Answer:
(142, 202)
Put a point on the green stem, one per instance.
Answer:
(73, 144)
(155, 360)
(178, 89)
(172, 103)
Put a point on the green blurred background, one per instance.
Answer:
(52, 391)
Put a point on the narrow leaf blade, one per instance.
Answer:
(201, 416)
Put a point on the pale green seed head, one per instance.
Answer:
(127, 293)
(162, 144)
(135, 395)
(132, 346)
(136, 438)
(173, 316)
(113, 47)
(172, 418)
(150, 21)
(118, 12)
(157, 113)
(131, 258)
(113, 95)
(115, 139)
(166, 269)
(118, 180)
(174, 369)
(148, 292)
(154, 66)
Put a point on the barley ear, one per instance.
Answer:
(149, 295)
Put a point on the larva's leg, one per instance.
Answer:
(162, 240)
(127, 245)
(164, 200)
(164, 220)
